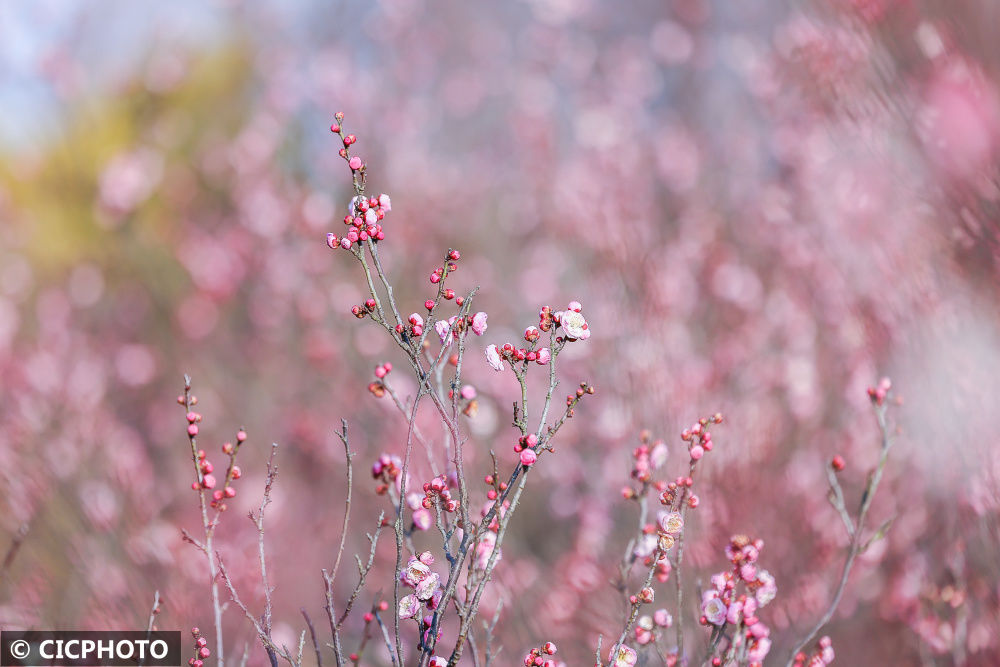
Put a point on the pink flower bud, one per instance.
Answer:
(528, 457)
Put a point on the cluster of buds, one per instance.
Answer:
(821, 656)
(680, 490)
(354, 162)
(649, 628)
(206, 478)
(647, 458)
(496, 487)
(539, 657)
(364, 309)
(878, 393)
(363, 220)
(414, 326)
(437, 489)
(698, 438)
(445, 270)
(219, 496)
(377, 388)
(729, 603)
(495, 355)
(387, 470)
(450, 329)
(525, 446)
(201, 651)
(573, 399)
(644, 596)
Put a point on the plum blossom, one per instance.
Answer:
(768, 588)
(479, 323)
(414, 572)
(574, 325)
(645, 545)
(714, 609)
(624, 656)
(485, 549)
(759, 649)
(734, 612)
(427, 587)
(443, 329)
(423, 519)
(671, 523)
(544, 355)
(493, 357)
(385, 202)
(409, 606)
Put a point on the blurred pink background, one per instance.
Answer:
(762, 207)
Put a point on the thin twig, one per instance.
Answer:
(312, 634)
(856, 544)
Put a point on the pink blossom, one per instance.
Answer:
(671, 523)
(385, 202)
(658, 454)
(528, 457)
(422, 519)
(493, 357)
(663, 618)
(409, 606)
(485, 550)
(479, 323)
(443, 329)
(768, 589)
(544, 355)
(414, 572)
(714, 609)
(468, 392)
(624, 656)
(645, 545)
(734, 612)
(426, 588)
(574, 325)
(759, 649)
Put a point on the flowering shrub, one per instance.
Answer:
(430, 600)
(759, 208)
